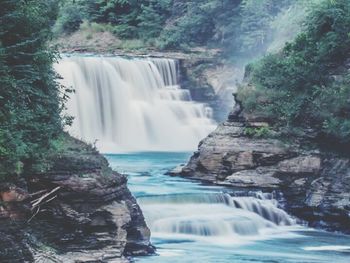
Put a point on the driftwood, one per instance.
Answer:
(42, 200)
(36, 212)
(37, 193)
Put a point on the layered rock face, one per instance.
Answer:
(78, 211)
(211, 81)
(316, 185)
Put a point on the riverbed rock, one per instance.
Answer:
(91, 216)
(315, 184)
(259, 178)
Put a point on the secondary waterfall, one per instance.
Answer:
(194, 222)
(132, 104)
(216, 217)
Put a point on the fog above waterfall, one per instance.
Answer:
(282, 28)
(128, 105)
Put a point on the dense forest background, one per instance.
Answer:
(239, 27)
(304, 89)
(299, 86)
(302, 86)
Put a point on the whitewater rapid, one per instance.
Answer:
(191, 222)
(215, 217)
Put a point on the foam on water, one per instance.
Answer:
(214, 217)
(328, 248)
(191, 222)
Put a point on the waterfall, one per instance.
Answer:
(132, 104)
(214, 216)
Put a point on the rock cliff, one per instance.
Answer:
(315, 184)
(78, 210)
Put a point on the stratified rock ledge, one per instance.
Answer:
(92, 216)
(316, 185)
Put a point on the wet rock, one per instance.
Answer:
(255, 178)
(227, 150)
(316, 184)
(304, 164)
(13, 194)
(13, 243)
(92, 217)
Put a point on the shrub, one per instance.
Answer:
(257, 132)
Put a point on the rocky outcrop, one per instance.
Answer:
(212, 81)
(316, 185)
(78, 210)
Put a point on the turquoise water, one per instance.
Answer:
(192, 222)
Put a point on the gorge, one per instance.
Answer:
(191, 221)
(120, 140)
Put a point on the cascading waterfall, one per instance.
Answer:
(215, 217)
(132, 104)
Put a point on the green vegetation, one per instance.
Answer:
(306, 86)
(240, 27)
(70, 18)
(128, 18)
(30, 102)
(257, 132)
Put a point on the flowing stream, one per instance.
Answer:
(135, 105)
(191, 222)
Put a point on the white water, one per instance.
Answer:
(132, 104)
(191, 222)
(135, 105)
(328, 248)
(215, 217)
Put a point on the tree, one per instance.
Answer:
(296, 88)
(152, 17)
(30, 103)
(70, 17)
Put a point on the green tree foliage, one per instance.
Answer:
(152, 17)
(242, 26)
(70, 17)
(307, 85)
(238, 26)
(120, 13)
(193, 23)
(130, 18)
(29, 97)
(255, 22)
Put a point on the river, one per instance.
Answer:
(137, 105)
(193, 222)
